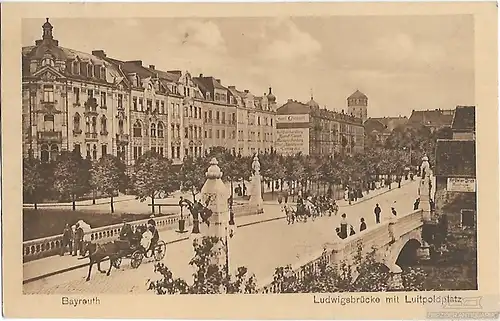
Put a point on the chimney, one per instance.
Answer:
(99, 53)
(135, 62)
(201, 75)
(218, 80)
(152, 67)
(232, 87)
(246, 91)
(290, 100)
(270, 90)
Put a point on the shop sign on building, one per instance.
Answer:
(455, 184)
(292, 119)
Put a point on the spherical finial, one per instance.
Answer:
(214, 171)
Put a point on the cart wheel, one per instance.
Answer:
(136, 259)
(117, 262)
(160, 250)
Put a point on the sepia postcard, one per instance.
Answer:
(250, 161)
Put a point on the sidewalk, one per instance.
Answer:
(38, 269)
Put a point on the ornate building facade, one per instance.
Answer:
(71, 101)
(311, 130)
(99, 105)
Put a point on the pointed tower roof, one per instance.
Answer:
(358, 95)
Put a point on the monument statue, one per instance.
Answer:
(256, 196)
(424, 189)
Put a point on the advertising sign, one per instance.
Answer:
(304, 118)
(292, 141)
(461, 184)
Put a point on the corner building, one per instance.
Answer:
(310, 130)
(71, 100)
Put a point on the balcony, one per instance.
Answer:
(50, 136)
(89, 137)
(122, 139)
(104, 132)
(77, 132)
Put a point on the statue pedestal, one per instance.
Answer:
(256, 196)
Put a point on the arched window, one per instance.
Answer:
(87, 124)
(54, 150)
(153, 130)
(48, 122)
(160, 130)
(44, 153)
(48, 61)
(137, 129)
(104, 126)
(120, 127)
(76, 122)
(94, 124)
(94, 152)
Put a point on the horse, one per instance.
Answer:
(98, 252)
(290, 214)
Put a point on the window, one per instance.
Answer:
(258, 121)
(76, 122)
(137, 130)
(83, 69)
(141, 105)
(120, 127)
(103, 73)
(76, 92)
(104, 150)
(134, 103)
(173, 110)
(94, 152)
(120, 101)
(77, 150)
(271, 121)
(94, 124)
(223, 117)
(160, 130)
(87, 124)
(157, 104)
(104, 126)
(210, 115)
(209, 133)
(76, 68)
(90, 70)
(153, 149)
(208, 96)
(153, 130)
(191, 111)
(178, 110)
(178, 149)
(186, 132)
(90, 93)
(48, 93)
(88, 150)
(178, 127)
(149, 105)
(217, 116)
(162, 107)
(172, 127)
(48, 62)
(206, 134)
(223, 134)
(97, 71)
(186, 152)
(48, 121)
(205, 115)
(103, 99)
(44, 153)
(54, 150)
(160, 151)
(217, 134)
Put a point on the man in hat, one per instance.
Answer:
(377, 212)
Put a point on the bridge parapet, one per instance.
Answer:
(381, 238)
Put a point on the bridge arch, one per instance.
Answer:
(404, 248)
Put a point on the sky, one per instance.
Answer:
(400, 62)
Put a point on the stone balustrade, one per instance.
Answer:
(347, 249)
(47, 246)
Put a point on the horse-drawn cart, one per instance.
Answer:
(136, 253)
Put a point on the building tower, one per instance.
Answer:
(357, 105)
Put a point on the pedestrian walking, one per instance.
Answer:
(343, 226)
(362, 226)
(351, 232)
(66, 240)
(393, 210)
(78, 240)
(416, 204)
(74, 247)
(286, 196)
(377, 212)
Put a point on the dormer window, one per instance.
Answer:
(103, 73)
(97, 72)
(47, 61)
(90, 70)
(208, 96)
(76, 68)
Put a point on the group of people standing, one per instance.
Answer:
(75, 237)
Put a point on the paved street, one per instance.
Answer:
(260, 247)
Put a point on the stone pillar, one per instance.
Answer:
(256, 196)
(214, 195)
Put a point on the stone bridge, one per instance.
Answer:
(385, 240)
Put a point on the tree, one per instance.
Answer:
(152, 176)
(33, 181)
(192, 175)
(71, 174)
(108, 176)
(208, 278)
